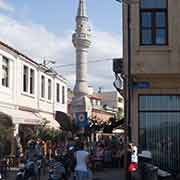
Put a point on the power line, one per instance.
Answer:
(89, 62)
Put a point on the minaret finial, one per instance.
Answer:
(82, 9)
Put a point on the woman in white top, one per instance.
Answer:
(81, 169)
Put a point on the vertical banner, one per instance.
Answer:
(81, 119)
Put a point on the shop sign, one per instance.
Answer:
(141, 85)
(26, 121)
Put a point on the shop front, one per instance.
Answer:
(24, 124)
(159, 129)
(156, 121)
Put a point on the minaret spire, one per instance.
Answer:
(81, 40)
(82, 9)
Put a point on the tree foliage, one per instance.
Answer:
(5, 134)
(47, 134)
(6, 127)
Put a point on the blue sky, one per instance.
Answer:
(43, 28)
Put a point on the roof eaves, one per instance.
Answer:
(17, 52)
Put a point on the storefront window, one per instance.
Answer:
(160, 129)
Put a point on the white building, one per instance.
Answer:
(29, 92)
(113, 100)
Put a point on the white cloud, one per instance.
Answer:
(4, 5)
(32, 39)
(37, 42)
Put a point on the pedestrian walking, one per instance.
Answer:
(81, 168)
(107, 157)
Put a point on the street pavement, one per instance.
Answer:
(110, 174)
(106, 174)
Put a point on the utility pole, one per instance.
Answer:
(127, 88)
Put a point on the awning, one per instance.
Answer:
(22, 117)
(51, 122)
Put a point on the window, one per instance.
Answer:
(42, 86)
(99, 103)
(57, 93)
(159, 123)
(94, 102)
(28, 80)
(25, 78)
(63, 95)
(49, 89)
(120, 100)
(153, 26)
(5, 72)
(31, 81)
(120, 110)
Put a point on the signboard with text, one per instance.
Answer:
(141, 85)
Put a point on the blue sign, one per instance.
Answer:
(141, 85)
(81, 119)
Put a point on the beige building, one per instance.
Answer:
(155, 83)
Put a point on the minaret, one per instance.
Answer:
(81, 41)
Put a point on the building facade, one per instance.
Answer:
(113, 100)
(98, 112)
(155, 78)
(29, 93)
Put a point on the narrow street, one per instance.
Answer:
(110, 174)
(106, 174)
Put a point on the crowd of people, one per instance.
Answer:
(108, 153)
(104, 153)
(80, 157)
